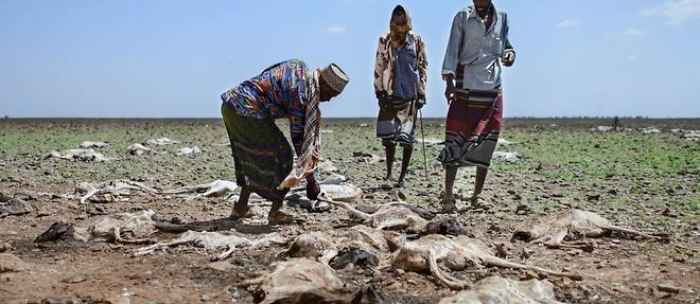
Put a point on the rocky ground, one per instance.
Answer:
(636, 178)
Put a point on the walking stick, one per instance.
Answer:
(422, 133)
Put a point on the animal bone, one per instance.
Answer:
(457, 254)
(299, 281)
(393, 216)
(189, 152)
(110, 228)
(116, 188)
(86, 155)
(163, 141)
(138, 149)
(216, 188)
(94, 144)
(214, 241)
(497, 290)
(570, 224)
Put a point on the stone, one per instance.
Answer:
(11, 263)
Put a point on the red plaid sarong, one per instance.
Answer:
(473, 126)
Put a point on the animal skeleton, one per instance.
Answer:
(116, 188)
(299, 281)
(215, 188)
(497, 290)
(423, 255)
(214, 241)
(570, 224)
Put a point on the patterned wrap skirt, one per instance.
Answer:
(396, 122)
(473, 126)
(262, 155)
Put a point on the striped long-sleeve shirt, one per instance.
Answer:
(282, 90)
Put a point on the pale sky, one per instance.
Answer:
(172, 58)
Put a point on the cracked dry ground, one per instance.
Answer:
(646, 182)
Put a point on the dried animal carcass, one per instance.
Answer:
(229, 242)
(189, 151)
(138, 149)
(213, 189)
(570, 225)
(393, 216)
(85, 155)
(325, 246)
(128, 228)
(94, 144)
(299, 281)
(115, 188)
(497, 290)
(460, 253)
(163, 141)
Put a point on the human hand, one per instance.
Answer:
(509, 58)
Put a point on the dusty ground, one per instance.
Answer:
(648, 182)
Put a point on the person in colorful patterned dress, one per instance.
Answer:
(477, 49)
(400, 77)
(262, 155)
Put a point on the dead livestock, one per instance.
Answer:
(571, 225)
(94, 144)
(84, 155)
(217, 188)
(138, 149)
(325, 246)
(299, 281)
(126, 228)
(460, 253)
(393, 216)
(497, 290)
(163, 141)
(115, 188)
(228, 242)
(191, 152)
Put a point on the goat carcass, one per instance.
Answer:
(497, 290)
(570, 225)
(213, 189)
(214, 241)
(457, 254)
